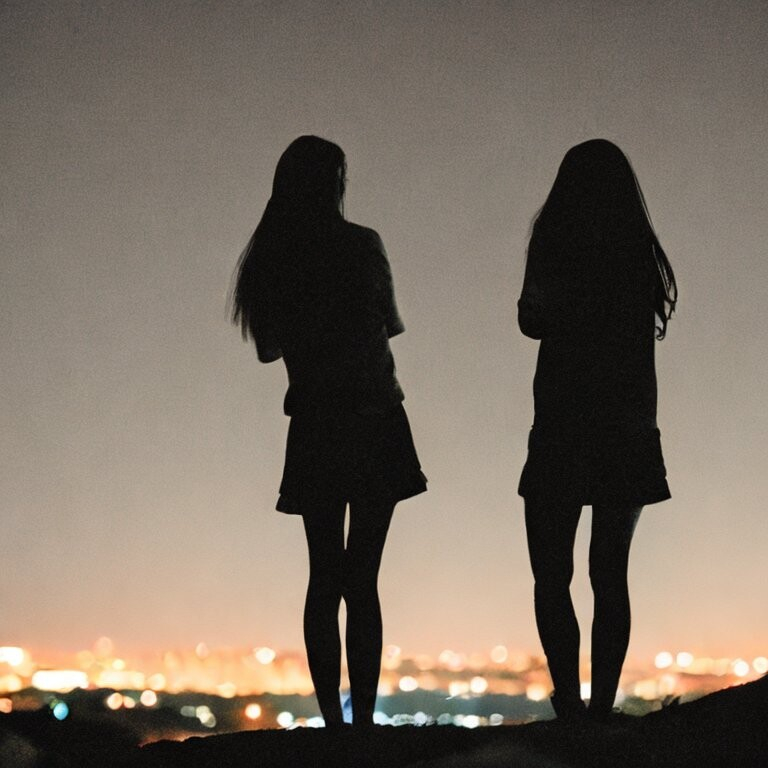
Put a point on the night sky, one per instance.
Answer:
(141, 442)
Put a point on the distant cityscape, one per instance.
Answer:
(247, 683)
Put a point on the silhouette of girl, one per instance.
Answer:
(317, 291)
(598, 287)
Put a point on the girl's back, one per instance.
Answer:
(327, 295)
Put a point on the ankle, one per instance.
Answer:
(568, 707)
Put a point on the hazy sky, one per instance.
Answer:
(142, 443)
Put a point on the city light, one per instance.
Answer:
(227, 690)
(537, 692)
(201, 651)
(59, 709)
(264, 655)
(452, 660)
(390, 658)
(646, 689)
(148, 698)
(428, 681)
(129, 702)
(11, 655)
(114, 701)
(205, 716)
(59, 680)
(458, 687)
(156, 682)
(139, 681)
(103, 648)
(499, 654)
(121, 678)
(667, 685)
(10, 683)
(741, 668)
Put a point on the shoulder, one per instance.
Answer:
(367, 250)
(365, 238)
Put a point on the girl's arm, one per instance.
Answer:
(530, 306)
(263, 330)
(267, 346)
(386, 290)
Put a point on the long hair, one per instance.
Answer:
(596, 205)
(307, 193)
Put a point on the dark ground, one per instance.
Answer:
(727, 728)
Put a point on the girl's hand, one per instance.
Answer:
(530, 311)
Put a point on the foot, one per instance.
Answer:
(337, 726)
(613, 715)
(568, 708)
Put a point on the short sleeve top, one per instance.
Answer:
(593, 312)
(328, 308)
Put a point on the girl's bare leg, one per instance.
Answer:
(325, 539)
(612, 531)
(369, 523)
(551, 532)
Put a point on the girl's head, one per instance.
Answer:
(596, 207)
(307, 194)
(310, 178)
(596, 196)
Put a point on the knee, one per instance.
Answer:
(607, 579)
(553, 580)
(326, 586)
(359, 589)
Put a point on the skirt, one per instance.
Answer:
(628, 471)
(346, 457)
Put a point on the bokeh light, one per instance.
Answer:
(114, 701)
(148, 698)
(11, 655)
(59, 680)
(227, 690)
(103, 647)
(458, 687)
(264, 655)
(10, 684)
(536, 692)
(202, 651)
(156, 682)
(499, 654)
(741, 668)
(390, 658)
(59, 709)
